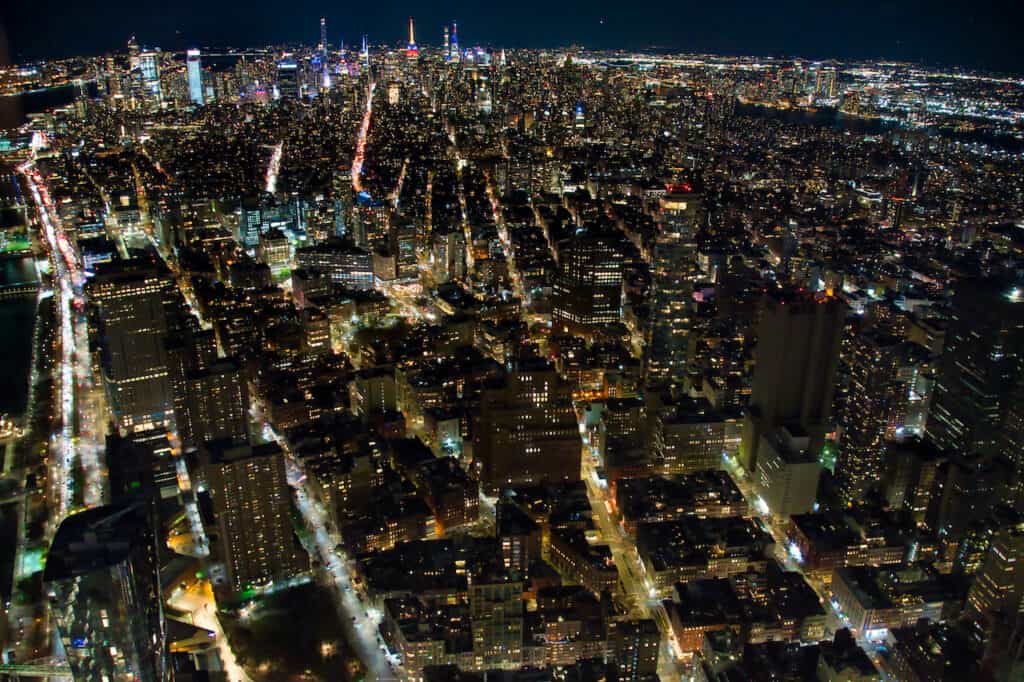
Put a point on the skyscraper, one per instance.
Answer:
(999, 584)
(102, 575)
(873, 366)
(412, 52)
(288, 78)
(132, 322)
(323, 37)
(453, 47)
(797, 354)
(979, 368)
(195, 77)
(250, 492)
(587, 290)
(446, 50)
(674, 271)
(149, 70)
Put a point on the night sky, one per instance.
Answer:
(982, 34)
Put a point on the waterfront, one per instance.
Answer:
(15, 109)
(17, 319)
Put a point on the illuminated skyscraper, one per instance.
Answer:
(797, 355)
(149, 69)
(453, 50)
(195, 77)
(412, 52)
(364, 53)
(873, 367)
(674, 271)
(102, 577)
(323, 37)
(446, 51)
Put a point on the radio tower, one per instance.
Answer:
(412, 52)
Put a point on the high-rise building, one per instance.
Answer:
(216, 405)
(453, 47)
(250, 494)
(587, 289)
(864, 418)
(674, 271)
(979, 369)
(412, 51)
(288, 78)
(797, 355)
(149, 71)
(131, 321)
(527, 431)
(323, 37)
(999, 584)
(195, 76)
(102, 575)
(787, 472)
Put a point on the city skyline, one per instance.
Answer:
(436, 359)
(980, 37)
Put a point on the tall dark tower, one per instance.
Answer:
(979, 368)
(797, 356)
(102, 575)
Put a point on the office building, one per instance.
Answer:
(999, 583)
(796, 357)
(195, 76)
(102, 577)
(526, 431)
(979, 369)
(129, 297)
(288, 79)
(587, 290)
(347, 265)
(787, 472)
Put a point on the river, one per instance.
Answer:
(14, 109)
(17, 320)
